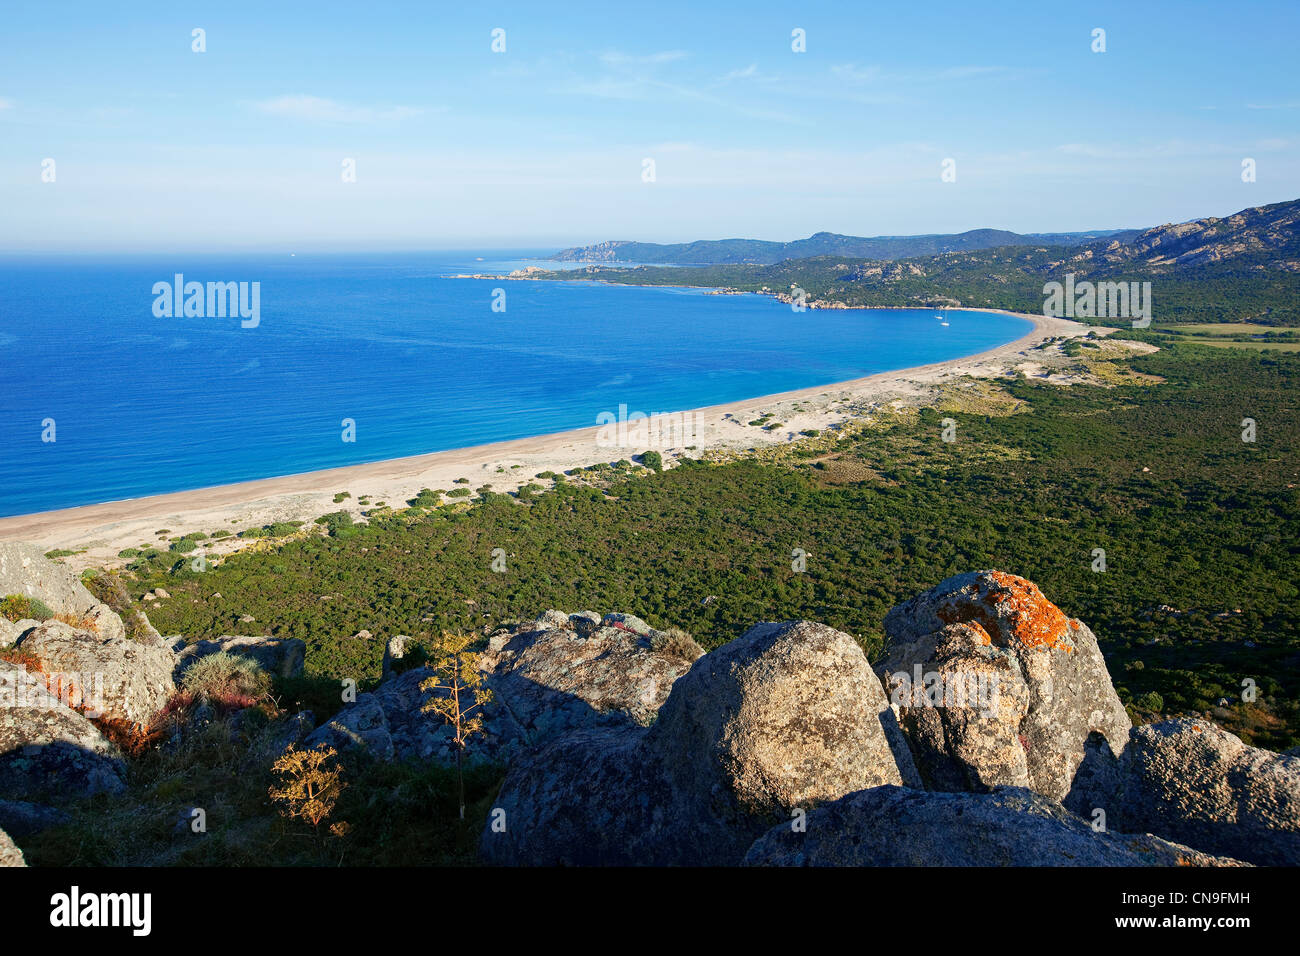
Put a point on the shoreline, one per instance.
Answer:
(106, 528)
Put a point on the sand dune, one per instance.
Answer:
(105, 529)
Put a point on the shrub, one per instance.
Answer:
(677, 643)
(653, 460)
(17, 607)
(228, 679)
(458, 493)
(1151, 701)
(109, 589)
(281, 528)
(338, 523)
(341, 496)
(59, 553)
(310, 782)
(76, 621)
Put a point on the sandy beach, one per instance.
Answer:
(100, 531)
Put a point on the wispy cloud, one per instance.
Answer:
(861, 75)
(852, 73)
(6, 104)
(318, 109)
(1273, 106)
(748, 73)
(618, 58)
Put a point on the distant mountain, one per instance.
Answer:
(1266, 235)
(759, 251)
(1242, 267)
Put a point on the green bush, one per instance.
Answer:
(225, 677)
(338, 523)
(653, 460)
(281, 529)
(17, 607)
(427, 498)
(1151, 701)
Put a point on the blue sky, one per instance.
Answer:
(159, 147)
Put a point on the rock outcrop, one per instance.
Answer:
(395, 650)
(48, 750)
(548, 677)
(565, 671)
(120, 679)
(20, 818)
(1191, 781)
(10, 855)
(627, 745)
(1009, 826)
(25, 570)
(787, 715)
(1047, 687)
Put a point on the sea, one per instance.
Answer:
(111, 388)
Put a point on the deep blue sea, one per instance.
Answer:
(143, 404)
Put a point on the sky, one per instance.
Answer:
(454, 145)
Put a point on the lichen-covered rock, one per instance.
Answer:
(1192, 781)
(10, 855)
(555, 679)
(961, 711)
(8, 632)
(25, 570)
(546, 680)
(48, 750)
(395, 650)
(120, 679)
(363, 725)
(281, 656)
(1009, 826)
(786, 715)
(22, 818)
(1056, 662)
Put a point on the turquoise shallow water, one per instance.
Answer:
(144, 404)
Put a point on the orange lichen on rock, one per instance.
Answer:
(1012, 604)
(980, 633)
